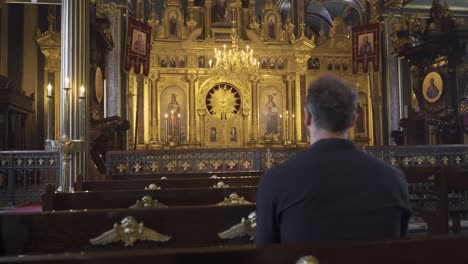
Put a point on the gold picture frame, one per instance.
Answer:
(432, 87)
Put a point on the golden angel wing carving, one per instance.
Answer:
(245, 227)
(149, 234)
(128, 231)
(107, 237)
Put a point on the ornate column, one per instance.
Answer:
(75, 68)
(49, 43)
(191, 78)
(208, 4)
(201, 114)
(154, 116)
(289, 80)
(254, 80)
(245, 125)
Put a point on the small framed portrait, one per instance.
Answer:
(264, 64)
(432, 87)
(366, 44)
(272, 64)
(181, 63)
(172, 62)
(163, 62)
(201, 62)
(280, 64)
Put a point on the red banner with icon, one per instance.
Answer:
(138, 46)
(366, 47)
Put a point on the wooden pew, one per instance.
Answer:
(436, 250)
(183, 175)
(457, 194)
(425, 185)
(164, 184)
(55, 232)
(124, 199)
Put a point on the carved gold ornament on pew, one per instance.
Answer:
(308, 260)
(215, 177)
(245, 227)
(234, 199)
(128, 231)
(153, 186)
(220, 185)
(148, 202)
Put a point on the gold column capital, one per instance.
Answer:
(191, 77)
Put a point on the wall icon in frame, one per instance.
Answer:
(433, 87)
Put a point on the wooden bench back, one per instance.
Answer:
(56, 232)
(124, 199)
(433, 250)
(183, 175)
(179, 183)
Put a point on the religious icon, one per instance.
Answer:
(139, 42)
(271, 27)
(181, 62)
(280, 64)
(173, 112)
(329, 65)
(345, 66)
(201, 62)
(310, 64)
(337, 66)
(365, 44)
(163, 62)
(359, 127)
(173, 24)
(264, 64)
(172, 62)
(272, 64)
(213, 134)
(233, 134)
(270, 111)
(432, 87)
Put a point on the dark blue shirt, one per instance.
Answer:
(332, 191)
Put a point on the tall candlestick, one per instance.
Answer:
(172, 125)
(81, 112)
(105, 98)
(178, 125)
(281, 127)
(293, 128)
(287, 125)
(66, 88)
(165, 117)
(50, 112)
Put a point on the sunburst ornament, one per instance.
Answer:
(223, 101)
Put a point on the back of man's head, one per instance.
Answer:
(331, 101)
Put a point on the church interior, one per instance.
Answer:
(101, 98)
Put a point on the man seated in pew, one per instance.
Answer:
(332, 190)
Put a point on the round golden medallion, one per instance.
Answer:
(98, 85)
(433, 87)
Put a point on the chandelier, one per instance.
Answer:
(234, 63)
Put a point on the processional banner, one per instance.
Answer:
(138, 47)
(366, 47)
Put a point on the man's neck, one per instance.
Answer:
(324, 134)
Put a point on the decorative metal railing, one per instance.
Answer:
(422, 156)
(190, 161)
(25, 174)
(217, 160)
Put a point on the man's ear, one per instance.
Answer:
(307, 118)
(353, 121)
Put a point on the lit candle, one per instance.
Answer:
(210, 63)
(82, 91)
(165, 116)
(67, 83)
(49, 90)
